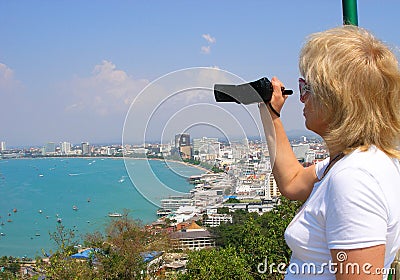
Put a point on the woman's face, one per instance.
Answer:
(314, 117)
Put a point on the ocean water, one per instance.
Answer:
(34, 193)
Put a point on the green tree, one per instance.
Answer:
(9, 267)
(121, 254)
(259, 239)
(223, 210)
(60, 266)
(273, 225)
(232, 200)
(214, 264)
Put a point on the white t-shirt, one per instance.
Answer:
(356, 205)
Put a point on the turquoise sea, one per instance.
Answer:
(34, 193)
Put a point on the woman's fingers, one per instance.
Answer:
(277, 99)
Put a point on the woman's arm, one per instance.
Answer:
(364, 263)
(294, 181)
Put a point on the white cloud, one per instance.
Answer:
(8, 83)
(5, 72)
(209, 39)
(107, 91)
(206, 49)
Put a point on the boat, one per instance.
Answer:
(114, 215)
(37, 234)
(75, 208)
(59, 220)
(15, 210)
(2, 234)
(41, 175)
(40, 211)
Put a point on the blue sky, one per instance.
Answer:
(69, 70)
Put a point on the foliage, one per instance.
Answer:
(9, 267)
(233, 200)
(274, 224)
(223, 210)
(60, 266)
(255, 239)
(192, 161)
(213, 264)
(216, 169)
(121, 254)
(117, 255)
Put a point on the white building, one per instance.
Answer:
(271, 188)
(206, 148)
(174, 202)
(300, 150)
(215, 220)
(49, 148)
(2, 146)
(65, 148)
(193, 237)
(85, 148)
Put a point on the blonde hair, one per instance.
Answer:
(355, 81)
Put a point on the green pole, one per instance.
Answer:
(350, 12)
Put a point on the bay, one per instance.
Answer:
(42, 190)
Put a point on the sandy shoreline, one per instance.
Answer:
(175, 161)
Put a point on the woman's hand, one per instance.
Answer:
(277, 99)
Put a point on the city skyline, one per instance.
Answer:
(292, 135)
(70, 70)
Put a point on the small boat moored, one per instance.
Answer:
(114, 215)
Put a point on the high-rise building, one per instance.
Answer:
(50, 148)
(85, 148)
(2, 146)
(185, 152)
(65, 148)
(182, 140)
(271, 188)
(300, 150)
(182, 146)
(206, 145)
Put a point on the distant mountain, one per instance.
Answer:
(297, 133)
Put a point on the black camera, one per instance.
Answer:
(253, 92)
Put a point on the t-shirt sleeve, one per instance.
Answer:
(356, 215)
(320, 167)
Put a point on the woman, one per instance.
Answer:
(349, 225)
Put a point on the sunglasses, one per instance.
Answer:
(304, 89)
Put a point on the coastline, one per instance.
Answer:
(175, 161)
(112, 157)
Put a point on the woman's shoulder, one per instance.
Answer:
(373, 161)
(363, 172)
